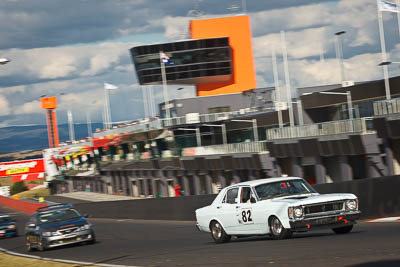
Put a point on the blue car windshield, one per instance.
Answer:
(5, 219)
(58, 215)
(283, 188)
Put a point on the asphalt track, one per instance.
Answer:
(166, 243)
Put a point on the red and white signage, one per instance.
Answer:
(23, 170)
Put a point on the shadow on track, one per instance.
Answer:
(386, 263)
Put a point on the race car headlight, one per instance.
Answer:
(12, 226)
(298, 212)
(84, 227)
(351, 204)
(46, 234)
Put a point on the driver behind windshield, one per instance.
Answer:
(285, 188)
(58, 215)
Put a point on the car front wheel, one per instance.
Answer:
(277, 230)
(41, 246)
(218, 233)
(343, 230)
(28, 245)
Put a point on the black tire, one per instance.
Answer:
(343, 230)
(41, 246)
(218, 233)
(277, 230)
(28, 245)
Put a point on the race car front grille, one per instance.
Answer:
(68, 230)
(318, 209)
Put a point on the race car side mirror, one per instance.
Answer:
(252, 200)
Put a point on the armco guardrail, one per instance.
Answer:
(28, 207)
(379, 197)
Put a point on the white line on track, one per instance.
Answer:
(61, 260)
(387, 219)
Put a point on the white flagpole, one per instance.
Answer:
(398, 14)
(277, 89)
(383, 47)
(152, 100)
(71, 126)
(287, 79)
(145, 105)
(164, 81)
(89, 124)
(103, 116)
(106, 118)
(109, 110)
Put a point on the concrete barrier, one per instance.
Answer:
(379, 197)
(25, 206)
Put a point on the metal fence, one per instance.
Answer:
(146, 125)
(385, 107)
(361, 126)
(246, 147)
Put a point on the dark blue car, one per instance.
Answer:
(57, 225)
(7, 226)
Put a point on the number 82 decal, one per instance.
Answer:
(246, 216)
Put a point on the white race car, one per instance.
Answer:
(275, 206)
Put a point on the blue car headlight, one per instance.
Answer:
(46, 234)
(84, 227)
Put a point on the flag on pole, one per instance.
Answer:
(109, 86)
(165, 59)
(388, 6)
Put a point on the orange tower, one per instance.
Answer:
(50, 104)
(238, 30)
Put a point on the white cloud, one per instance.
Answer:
(29, 108)
(4, 107)
(65, 62)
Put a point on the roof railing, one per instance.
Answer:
(354, 126)
(386, 107)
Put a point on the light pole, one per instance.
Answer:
(223, 129)
(384, 64)
(277, 89)
(4, 61)
(339, 54)
(254, 122)
(287, 79)
(197, 130)
(347, 94)
(164, 58)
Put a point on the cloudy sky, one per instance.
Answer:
(70, 48)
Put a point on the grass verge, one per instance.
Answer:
(15, 261)
(34, 193)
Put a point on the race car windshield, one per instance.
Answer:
(283, 188)
(58, 215)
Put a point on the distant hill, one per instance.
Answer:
(23, 138)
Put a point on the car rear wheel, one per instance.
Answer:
(277, 230)
(343, 230)
(218, 233)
